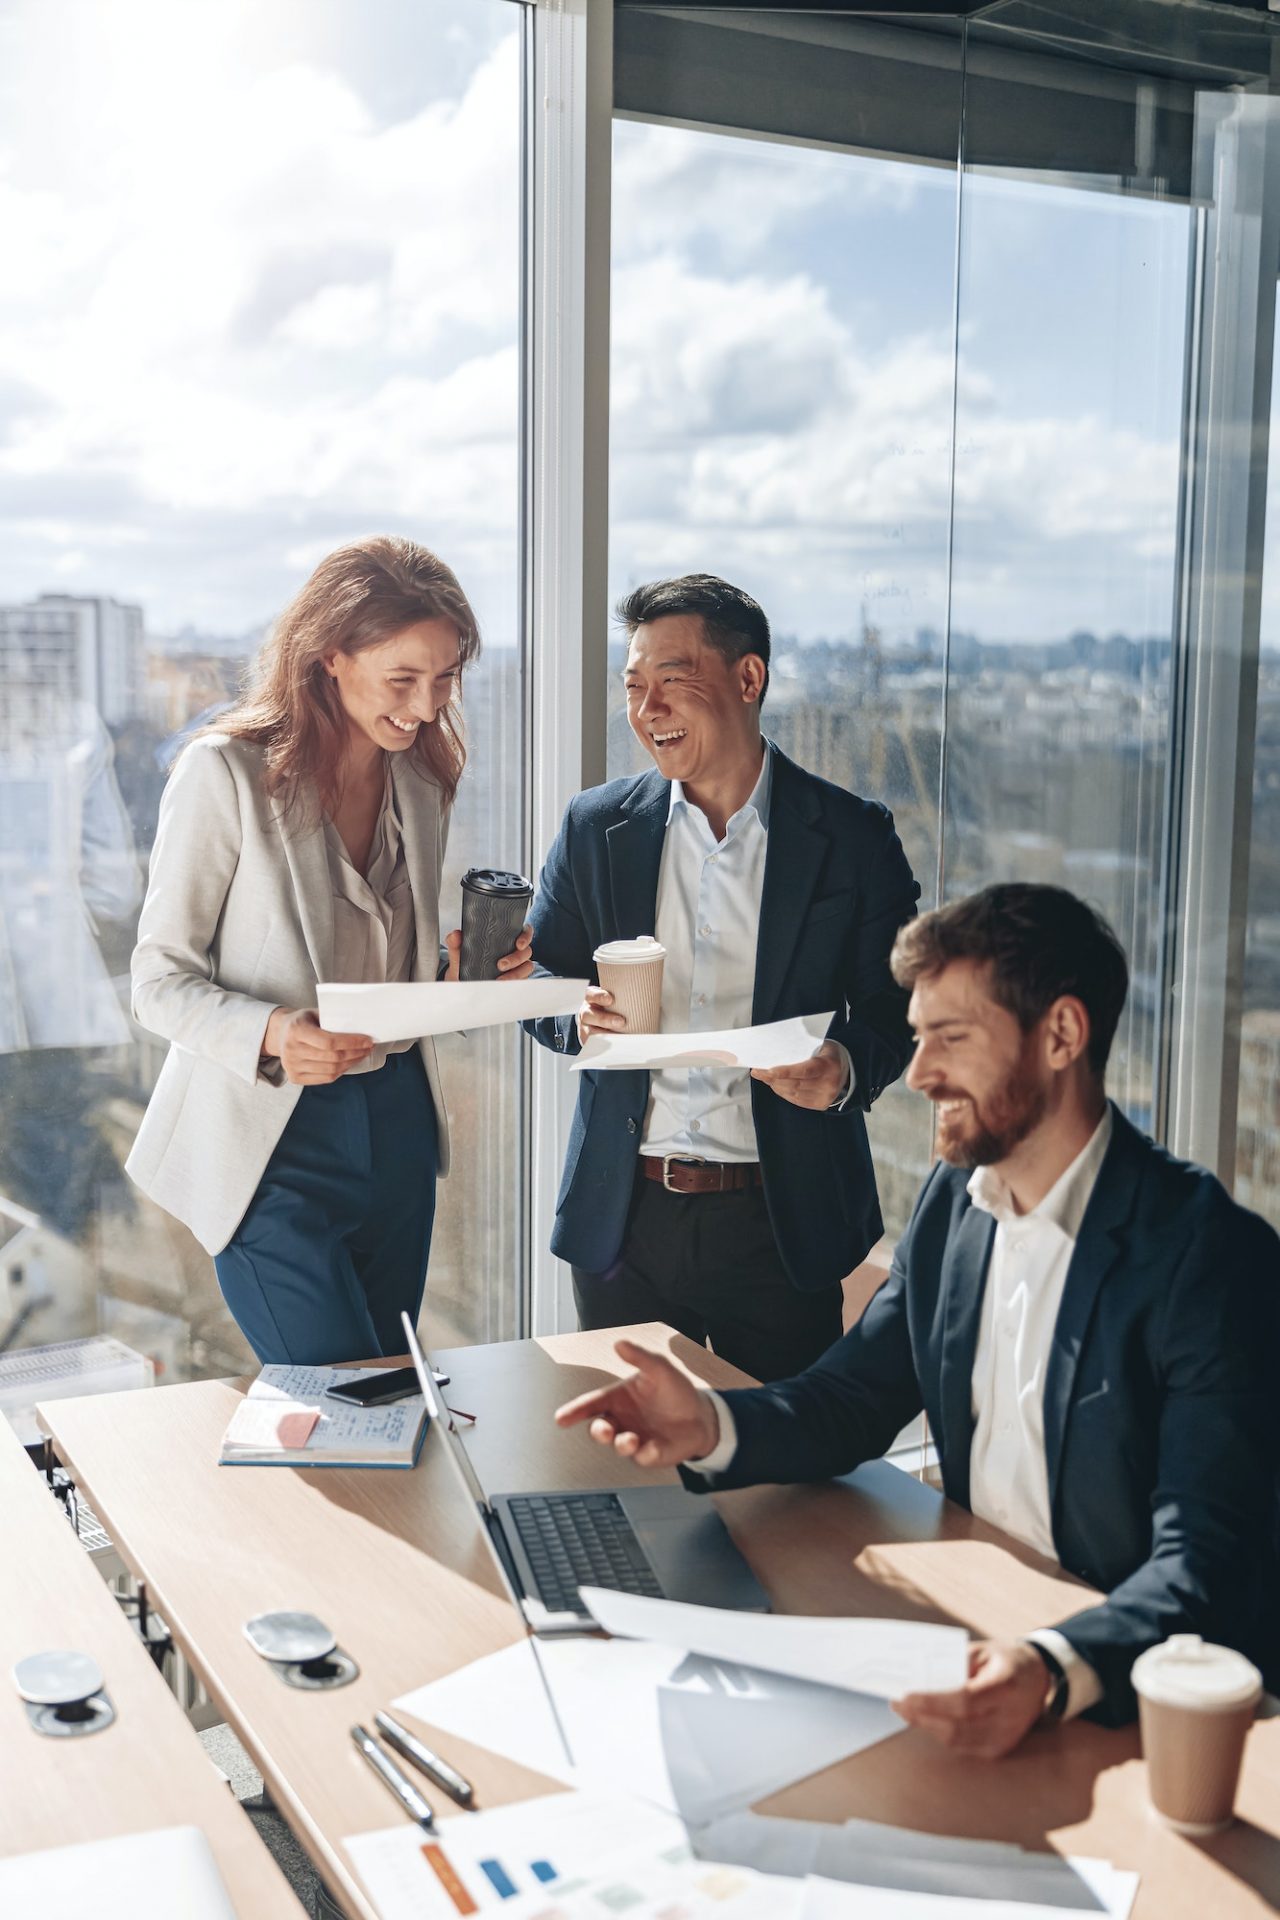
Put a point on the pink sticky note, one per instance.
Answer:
(295, 1429)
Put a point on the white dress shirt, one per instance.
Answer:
(1008, 1473)
(374, 937)
(708, 919)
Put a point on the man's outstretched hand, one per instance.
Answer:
(656, 1417)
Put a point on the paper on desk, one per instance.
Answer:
(481, 1862)
(838, 1900)
(168, 1874)
(868, 1854)
(703, 1736)
(883, 1657)
(412, 1009)
(782, 1043)
(499, 1702)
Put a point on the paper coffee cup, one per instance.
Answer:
(1195, 1703)
(632, 971)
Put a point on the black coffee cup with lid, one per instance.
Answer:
(495, 906)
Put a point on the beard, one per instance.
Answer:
(988, 1134)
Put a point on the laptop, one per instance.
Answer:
(659, 1541)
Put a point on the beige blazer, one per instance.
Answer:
(238, 919)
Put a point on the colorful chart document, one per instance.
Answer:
(782, 1043)
(481, 1862)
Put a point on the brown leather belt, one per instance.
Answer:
(701, 1176)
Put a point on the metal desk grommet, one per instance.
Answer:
(301, 1649)
(63, 1693)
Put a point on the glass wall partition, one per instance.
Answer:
(952, 340)
(261, 297)
(782, 324)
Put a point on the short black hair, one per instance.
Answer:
(1039, 943)
(732, 622)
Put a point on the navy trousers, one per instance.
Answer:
(334, 1245)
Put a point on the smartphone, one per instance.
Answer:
(376, 1389)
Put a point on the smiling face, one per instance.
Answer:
(390, 690)
(990, 1082)
(689, 707)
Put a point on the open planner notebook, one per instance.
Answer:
(287, 1420)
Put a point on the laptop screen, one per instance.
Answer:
(443, 1418)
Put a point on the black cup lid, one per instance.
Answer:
(495, 880)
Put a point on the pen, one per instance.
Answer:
(392, 1778)
(437, 1770)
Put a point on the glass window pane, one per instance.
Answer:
(1071, 348)
(782, 328)
(261, 298)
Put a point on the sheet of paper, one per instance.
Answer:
(168, 1874)
(782, 1043)
(883, 1657)
(480, 1862)
(867, 1854)
(499, 1702)
(838, 1900)
(413, 1009)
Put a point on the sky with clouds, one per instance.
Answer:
(261, 296)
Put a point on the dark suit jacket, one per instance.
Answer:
(1160, 1402)
(836, 889)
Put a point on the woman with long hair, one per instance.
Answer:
(301, 838)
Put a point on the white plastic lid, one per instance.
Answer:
(644, 947)
(1186, 1671)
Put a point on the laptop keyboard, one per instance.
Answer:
(580, 1540)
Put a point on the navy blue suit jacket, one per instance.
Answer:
(836, 889)
(1160, 1408)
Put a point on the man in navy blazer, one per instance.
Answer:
(1089, 1323)
(730, 1206)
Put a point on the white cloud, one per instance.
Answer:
(250, 303)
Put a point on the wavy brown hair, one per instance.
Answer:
(358, 597)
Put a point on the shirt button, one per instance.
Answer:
(704, 929)
(695, 1126)
(702, 999)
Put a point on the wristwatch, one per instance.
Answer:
(1055, 1700)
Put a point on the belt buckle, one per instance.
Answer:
(685, 1160)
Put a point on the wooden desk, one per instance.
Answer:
(147, 1769)
(393, 1562)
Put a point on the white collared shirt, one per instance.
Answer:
(708, 919)
(1030, 1254)
(709, 895)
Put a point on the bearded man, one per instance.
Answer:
(1089, 1324)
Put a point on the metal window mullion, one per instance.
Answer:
(1220, 618)
(566, 496)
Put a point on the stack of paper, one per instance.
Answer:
(285, 1420)
(703, 1736)
(588, 1856)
